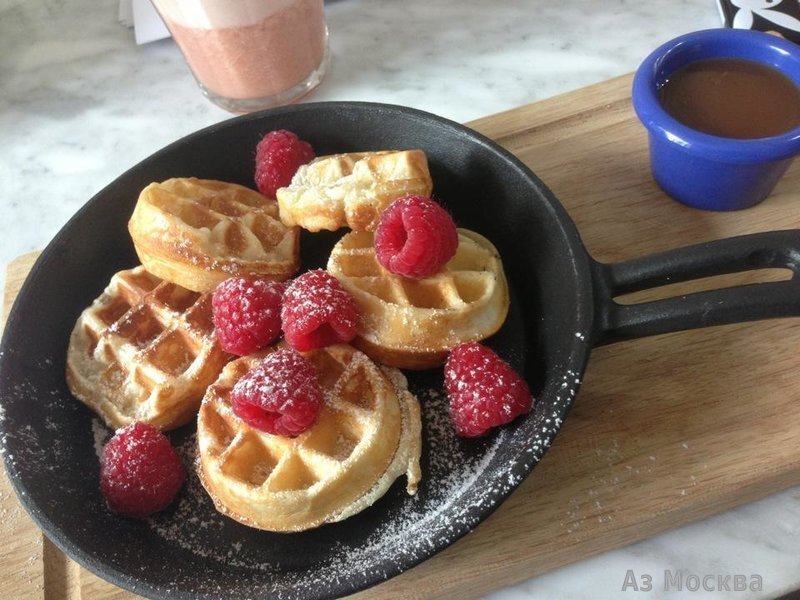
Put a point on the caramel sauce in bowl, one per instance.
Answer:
(732, 97)
(722, 110)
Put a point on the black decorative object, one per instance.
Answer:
(778, 16)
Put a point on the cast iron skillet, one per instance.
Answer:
(561, 305)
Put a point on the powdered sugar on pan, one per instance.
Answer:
(446, 479)
(462, 480)
(453, 498)
(32, 453)
(101, 435)
(32, 440)
(194, 517)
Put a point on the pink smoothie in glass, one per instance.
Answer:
(259, 52)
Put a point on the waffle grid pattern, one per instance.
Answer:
(410, 323)
(467, 279)
(230, 225)
(199, 232)
(278, 463)
(147, 349)
(351, 190)
(352, 452)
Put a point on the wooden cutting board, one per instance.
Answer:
(665, 430)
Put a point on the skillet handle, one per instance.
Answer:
(737, 304)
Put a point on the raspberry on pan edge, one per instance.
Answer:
(484, 391)
(278, 156)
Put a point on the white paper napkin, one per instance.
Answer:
(146, 22)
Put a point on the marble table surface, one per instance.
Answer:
(80, 103)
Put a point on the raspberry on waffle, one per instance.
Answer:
(199, 232)
(367, 434)
(415, 237)
(247, 314)
(351, 190)
(317, 311)
(413, 323)
(281, 395)
(145, 350)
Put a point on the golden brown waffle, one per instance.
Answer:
(368, 433)
(351, 190)
(145, 350)
(199, 232)
(410, 323)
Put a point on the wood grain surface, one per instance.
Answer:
(666, 430)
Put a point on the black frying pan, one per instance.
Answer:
(561, 305)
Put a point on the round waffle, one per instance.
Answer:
(414, 323)
(351, 190)
(367, 434)
(199, 232)
(145, 350)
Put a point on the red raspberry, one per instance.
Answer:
(140, 471)
(280, 396)
(317, 311)
(483, 389)
(278, 156)
(415, 237)
(247, 314)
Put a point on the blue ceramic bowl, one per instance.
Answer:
(706, 171)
